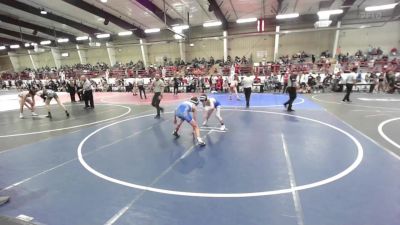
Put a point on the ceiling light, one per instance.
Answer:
(103, 1)
(103, 35)
(178, 37)
(34, 44)
(2, 47)
(14, 46)
(153, 30)
(323, 23)
(83, 38)
(287, 16)
(27, 45)
(212, 24)
(43, 12)
(179, 28)
(330, 12)
(125, 33)
(380, 7)
(97, 44)
(65, 54)
(63, 40)
(191, 45)
(246, 20)
(45, 42)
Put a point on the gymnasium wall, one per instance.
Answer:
(5, 64)
(156, 52)
(25, 61)
(386, 37)
(45, 59)
(72, 59)
(258, 47)
(206, 49)
(95, 55)
(128, 53)
(310, 42)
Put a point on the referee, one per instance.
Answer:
(291, 89)
(87, 92)
(350, 80)
(158, 87)
(247, 83)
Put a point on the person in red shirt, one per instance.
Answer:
(220, 82)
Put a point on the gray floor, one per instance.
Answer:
(10, 123)
(47, 181)
(366, 115)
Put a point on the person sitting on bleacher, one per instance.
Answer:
(396, 84)
(319, 86)
(303, 81)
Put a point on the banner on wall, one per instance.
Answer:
(260, 25)
(160, 58)
(261, 54)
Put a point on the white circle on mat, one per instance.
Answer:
(339, 103)
(267, 106)
(354, 165)
(380, 130)
(72, 127)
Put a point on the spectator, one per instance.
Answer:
(140, 84)
(87, 92)
(381, 83)
(71, 88)
(372, 81)
(79, 89)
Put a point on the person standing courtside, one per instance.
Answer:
(87, 92)
(176, 85)
(158, 87)
(140, 84)
(79, 89)
(350, 80)
(292, 90)
(71, 87)
(247, 83)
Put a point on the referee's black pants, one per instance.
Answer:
(141, 89)
(72, 95)
(247, 94)
(292, 96)
(80, 95)
(156, 102)
(349, 88)
(88, 97)
(176, 89)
